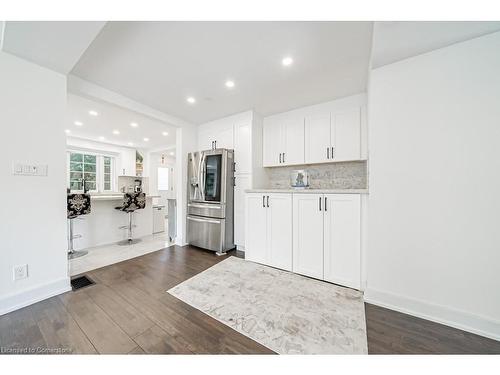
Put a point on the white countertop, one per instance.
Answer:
(114, 196)
(309, 191)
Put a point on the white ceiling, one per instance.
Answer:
(112, 118)
(55, 45)
(395, 41)
(161, 63)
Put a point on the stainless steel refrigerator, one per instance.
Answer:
(210, 204)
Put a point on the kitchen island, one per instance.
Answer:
(102, 225)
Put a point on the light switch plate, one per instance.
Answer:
(20, 272)
(27, 169)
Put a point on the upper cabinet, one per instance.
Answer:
(216, 136)
(346, 135)
(324, 133)
(283, 140)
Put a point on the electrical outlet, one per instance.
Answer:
(20, 272)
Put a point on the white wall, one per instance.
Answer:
(186, 142)
(33, 212)
(434, 238)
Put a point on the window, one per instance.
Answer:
(97, 170)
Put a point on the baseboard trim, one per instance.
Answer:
(30, 296)
(465, 321)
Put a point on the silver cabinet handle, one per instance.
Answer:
(326, 204)
(320, 203)
(280, 157)
(283, 157)
(212, 145)
(264, 201)
(215, 145)
(333, 148)
(234, 181)
(328, 152)
(268, 201)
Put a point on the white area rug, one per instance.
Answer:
(288, 313)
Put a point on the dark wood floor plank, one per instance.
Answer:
(392, 332)
(19, 332)
(130, 320)
(106, 336)
(59, 329)
(130, 311)
(156, 341)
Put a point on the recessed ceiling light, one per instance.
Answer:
(172, 153)
(67, 131)
(230, 84)
(287, 61)
(101, 138)
(146, 139)
(130, 144)
(134, 124)
(191, 100)
(78, 123)
(93, 113)
(116, 132)
(164, 134)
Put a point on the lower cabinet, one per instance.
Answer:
(308, 235)
(342, 239)
(268, 237)
(327, 237)
(316, 235)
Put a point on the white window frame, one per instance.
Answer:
(99, 169)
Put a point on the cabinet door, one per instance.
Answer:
(205, 139)
(279, 231)
(128, 164)
(317, 138)
(308, 234)
(255, 228)
(242, 182)
(346, 135)
(272, 142)
(293, 151)
(342, 233)
(224, 138)
(243, 148)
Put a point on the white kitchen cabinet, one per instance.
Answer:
(317, 137)
(243, 147)
(342, 239)
(127, 163)
(279, 230)
(205, 140)
(269, 229)
(346, 135)
(293, 152)
(283, 140)
(242, 183)
(272, 142)
(256, 228)
(216, 136)
(308, 234)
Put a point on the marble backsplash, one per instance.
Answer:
(342, 175)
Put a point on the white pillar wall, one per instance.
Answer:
(186, 142)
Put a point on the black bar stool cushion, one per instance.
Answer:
(78, 204)
(132, 202)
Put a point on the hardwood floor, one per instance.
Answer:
(128, 311)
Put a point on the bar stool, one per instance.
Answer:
(77, 205)
(131, 203)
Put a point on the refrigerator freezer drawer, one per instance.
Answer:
(207, 210)
(207, 233)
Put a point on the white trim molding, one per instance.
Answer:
(30, 296)
(446, 315)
